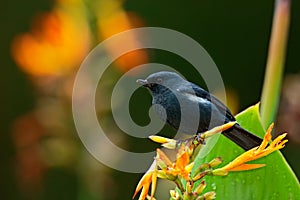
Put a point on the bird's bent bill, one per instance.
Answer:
(142, 82)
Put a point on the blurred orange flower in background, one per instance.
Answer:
(114, 20)
(58, 42)
(50, 53)
(60, 39)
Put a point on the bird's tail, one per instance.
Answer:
(242, 137)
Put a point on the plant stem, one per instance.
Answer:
(275, 63)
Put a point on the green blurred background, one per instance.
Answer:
(41, 155)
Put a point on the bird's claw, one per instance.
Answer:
(199, 139)
(179, 143)
(196, 140)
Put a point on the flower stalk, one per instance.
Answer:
(275, 62)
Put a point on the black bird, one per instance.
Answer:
(190, 109)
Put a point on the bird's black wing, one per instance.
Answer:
(199, 92)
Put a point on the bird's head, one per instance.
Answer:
(161, 79)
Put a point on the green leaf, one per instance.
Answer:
(274, 181)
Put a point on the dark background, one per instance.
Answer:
(235, 33)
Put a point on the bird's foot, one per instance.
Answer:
(185, 142)
(195, 140)
(199, 139)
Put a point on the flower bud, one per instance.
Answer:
(199, 189)
(215, 162)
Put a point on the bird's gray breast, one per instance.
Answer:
(177, 110)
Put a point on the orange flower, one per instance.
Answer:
(169, 170)
(163, 167)
(149, 177)
(181, 167)
(239, 164)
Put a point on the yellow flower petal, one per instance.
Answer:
(182, 161)
(170, 145)
(149, 177)
(159, 139)
(267, 139)
(238, 164)
(162, 156)
(278, 141)
(189, 167)
(162, 174)
(153, 186)
(166, 142)
(217, 129)
(244, 167)
(145, 184)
